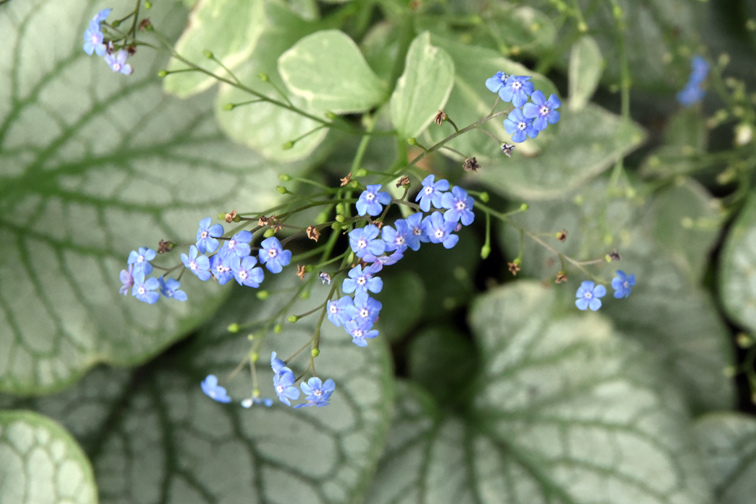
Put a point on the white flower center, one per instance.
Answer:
(544, 110)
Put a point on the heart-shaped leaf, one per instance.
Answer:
(423, 88)
(727, 443)
(562, 410)
(329, 72)
(228, 28)
(41, 462)
(154, 436)
(99, 164)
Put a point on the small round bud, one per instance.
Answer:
(743, 340)
(269, 232)
(336, 226)
(292, 318)
(228, 106)
(305, 295)
(485, 251)
(148, 5)
(340, 218)
(263, 295)
(263, 77)
(254, 356)
(524, 207)
(362, 172)
(281, 189)
(250, 336)
(284, 176)
(162, 73)
(233, 328)
(278, 328)
(582, 27)
(485, 197)
(207, 54)
(221, 216)
(330, 116)
(412, 141)
(315, 352)
(288, 145)
(115, 24)
(617, 12)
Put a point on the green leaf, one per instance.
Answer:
(563, 410)
(228, 28)
(155, 431)
(586, 66)
(404, 299)
(340, 82)
(727, 442)
(666, 312)
(41, 462)
(737, 278)
(685, 137)
(470, 100)
(587, 143)
(97, 164)
(263, 126)
(423, 88)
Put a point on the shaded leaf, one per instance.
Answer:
(342, 82)
(737, 277)
(423, 88)
(563, 411)
(41, 462)
(586, 65)
(100, 164)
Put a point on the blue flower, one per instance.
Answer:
(431, 193)
(360, 333)
(93, 40)
(248, 402)
(238, 245)
(690, 94)
(622, 284)
(459, 206)
(341, 311)
(200, 265)
(495, 83)
(245, 272)
(588, 296)
(169, 288)
(439, 230)
(398, 237)
(517, 90)
(517, 125)
(207, 234)
(699, 70)
(371, 201)
(367, 309)
(283, 382)
(364, 240)
(276, 364)
(127, 279)
(363, 281)
(316, 392)
(101, 16)
(383, 260)
(542, 110)
(144, 290)
(417, 229)
(214, 391)
(273, 256)
(141, 259)
(220, 270)
(117, 62)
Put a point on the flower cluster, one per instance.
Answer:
(231, 260)
(589, 294)
(692, 92)
(317, 393)
(94, 42)
(376, 248)
(534, 116)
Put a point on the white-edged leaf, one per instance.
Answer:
(41, 463)
(586, 65)
(329, 72)
(228, 28)
(737, 278)
(423, 88)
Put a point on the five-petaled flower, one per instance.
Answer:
(622, 284)
(588, 295)
(273, 256)
(517, 125)
(317, 393)
(214, 391)
(542, 110)
(117, 62)
(371, 201)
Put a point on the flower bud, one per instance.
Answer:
(233, 328)
(288, 145)
(228, 106)
(263, 295)
(284, 176)
(281, 189)
(278, 328)
(485, 251)
(263, 77)
(315, 352)
(207, 54)
(162, 73)
(292, 318)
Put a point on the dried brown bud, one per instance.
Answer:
(263, 221)
(346, 180)
(165, 246)
(313, 233)
(614, 255)
(144, 24)
(561, 277)
(230, 216)
(514, 267)
(275, 224)
(301, 271)
(562, 235)
(440, 117)
(378, 224)
(404, 181)
(131, 50)
(507, 149)
(471, 164)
